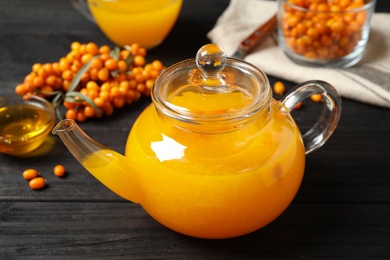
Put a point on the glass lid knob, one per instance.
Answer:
(211, 60)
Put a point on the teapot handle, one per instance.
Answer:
(329, 118)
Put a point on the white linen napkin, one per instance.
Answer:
(368, 81)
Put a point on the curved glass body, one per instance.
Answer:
(214, 156)
(217, 185)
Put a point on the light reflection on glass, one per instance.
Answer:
(168, 149)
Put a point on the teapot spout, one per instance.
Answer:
(109, 167)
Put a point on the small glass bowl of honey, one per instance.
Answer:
(25, 123)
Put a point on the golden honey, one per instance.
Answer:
(23, 127)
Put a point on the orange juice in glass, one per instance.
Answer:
(146, 22)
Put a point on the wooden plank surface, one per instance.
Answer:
(341, 210)
(116, 229)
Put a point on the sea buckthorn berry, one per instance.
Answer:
(124, 54)
(99, 101)
(141, 87)
(81, 117)
(316, 98)
(37, 183)
(66, 84)
(43, 73)
(139, 77)
(48, 67)
(51, 80)
(324, 24)
(139, 60)
(157, 65)
(30, 174)
(108, 82)
(92, 93)
(298, 105)
(344, 3)
(118, 102)
(75, 45)
(134, 48)
(104, 49)
(29, 77)
(71, 114)
(114, 92)
(68, 75)
(104, 56)
(75, 67)
(56, 68)
(96, 64)
(69, 57)
(149, 83)
(106, 86)
(86, 57)
(58, 83)
(123, 86)
(59, 170)
(92, 48)
(279, 88)
(154, 73)
(93, 74)
(108, 109)
(122, 65)
(111, 64)
(83, 49)
(120, 76)
(85, 77)
(92, 85)
(69, 105)
(103, 74)
(21, 89)
(84, 91)
(89, 111)
(142, 51)
(63, 64)
(36, 67)
(38, 81)
(47, 90)
(103, 95)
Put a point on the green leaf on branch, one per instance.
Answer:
(74, 96)
(57, 100)
(77, 78)
(114, 53)
(129, 59)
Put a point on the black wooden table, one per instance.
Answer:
(341, 210)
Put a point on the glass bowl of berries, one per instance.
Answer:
(324, 33)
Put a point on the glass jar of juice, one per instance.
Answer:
(214, 156)
(124, 22)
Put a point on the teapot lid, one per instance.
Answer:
(211, 87)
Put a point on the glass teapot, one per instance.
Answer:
(214, 155)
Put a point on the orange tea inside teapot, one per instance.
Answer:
(214, 156)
